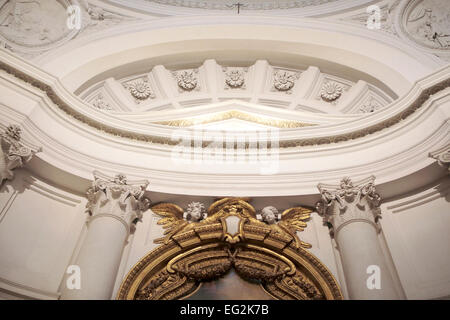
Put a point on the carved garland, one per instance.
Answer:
(423, 97)
(177, 268)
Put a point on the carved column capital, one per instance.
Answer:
(117, 198)
(442, 156)
(14, 153)
(348, 202)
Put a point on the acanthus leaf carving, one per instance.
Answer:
(347, 202)
(115, 196)
(14, 153)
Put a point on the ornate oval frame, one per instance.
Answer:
(177, 268)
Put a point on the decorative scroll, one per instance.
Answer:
(229, 238)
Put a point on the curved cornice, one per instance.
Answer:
(309, 136)
(296, 8)
(335, 46)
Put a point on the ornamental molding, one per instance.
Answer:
(369, 106)
(331, 91)
(13, 153)
(234, 114)
(118, 198)
(248, 5)
(425, 24)
(30, 28)
(234, 77)
(284, 80)
(100, 103)
(416, 98)
(442, 156)
(349, 202)
(387, 17)
(139, 89)
(187, 80)
(209, 249)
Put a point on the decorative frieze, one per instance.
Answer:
(14, 154)
(117, 198)
(347, 202)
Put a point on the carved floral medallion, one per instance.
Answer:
(331, 91)
(187, 80)
(284, 80)
(234, 78)
(139, 89)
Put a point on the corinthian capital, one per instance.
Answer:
(117, 198)
(442, 156)
(348, 201)
(14, 153)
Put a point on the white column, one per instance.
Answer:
(13, 152)
(352, 212)
(115, 206)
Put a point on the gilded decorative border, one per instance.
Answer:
(234, 114)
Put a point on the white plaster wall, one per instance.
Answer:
(39, 228)
(417, 230)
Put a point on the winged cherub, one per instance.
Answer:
(175, 219)
(290, 221)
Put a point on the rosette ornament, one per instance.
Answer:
(331, 91)
(140, 89)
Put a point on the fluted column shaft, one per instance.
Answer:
(353, 211)
(114, 206)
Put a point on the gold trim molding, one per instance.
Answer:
(235, 114)
(204, 252)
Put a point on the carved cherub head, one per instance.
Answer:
(196, 211)
(269, 214)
